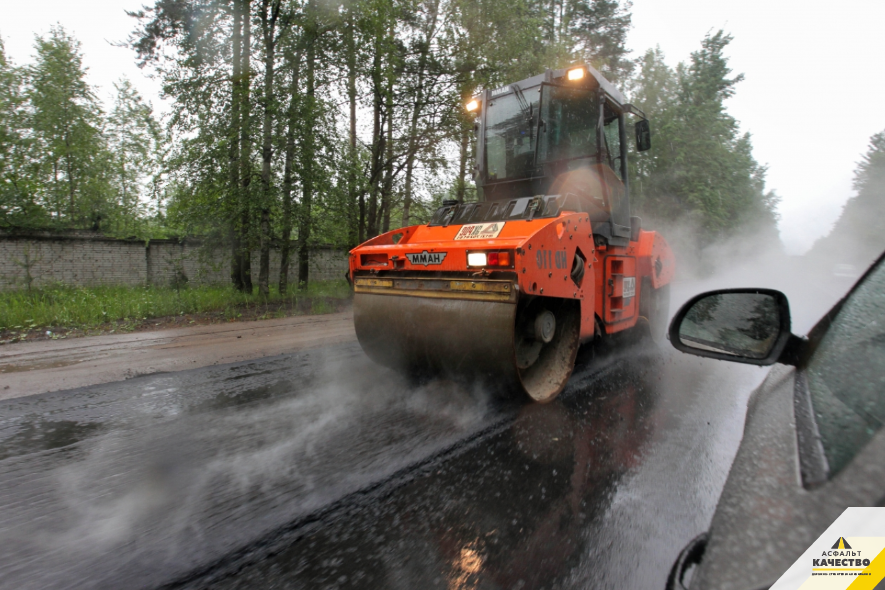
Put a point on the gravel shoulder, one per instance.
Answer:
(29, 368)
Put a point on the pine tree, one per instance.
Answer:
(67, 122)
(700, 169)
(19, 205)
(599, 31)
(858, 236)
(133, 135)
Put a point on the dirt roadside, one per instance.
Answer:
(254, 311)
(29, 368)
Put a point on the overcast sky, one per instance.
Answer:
(814, 91)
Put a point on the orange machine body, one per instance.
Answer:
(543, 256)
(506, 289)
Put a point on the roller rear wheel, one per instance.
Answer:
(546, 343)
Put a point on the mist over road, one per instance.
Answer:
(321, 469)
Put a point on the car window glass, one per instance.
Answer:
(846, 374)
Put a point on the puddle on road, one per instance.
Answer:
(44, 435)
(279, 389)
(38, 365)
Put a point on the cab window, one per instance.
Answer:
(612, 137)
(570, 119)
(846, 373)
(509, 145)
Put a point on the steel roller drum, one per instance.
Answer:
(462, 338)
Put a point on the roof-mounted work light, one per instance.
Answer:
(576, 74)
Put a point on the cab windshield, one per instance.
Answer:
(510, 134)
(569, 118)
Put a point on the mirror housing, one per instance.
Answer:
(782, 345)
(643, 135)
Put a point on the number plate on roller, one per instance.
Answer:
(629, 287)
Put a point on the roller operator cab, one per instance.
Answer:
(505, 289)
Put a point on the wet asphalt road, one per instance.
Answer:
(322, 470)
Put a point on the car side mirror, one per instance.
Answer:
(741, 325)
(643, 135)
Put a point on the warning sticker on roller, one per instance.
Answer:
(629, 287)
(480, 231)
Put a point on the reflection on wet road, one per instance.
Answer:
(321, 470)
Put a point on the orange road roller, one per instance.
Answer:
(504, 290)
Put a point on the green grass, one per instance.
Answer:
(89, 307)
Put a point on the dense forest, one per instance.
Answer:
(296, 123)
(858, 235)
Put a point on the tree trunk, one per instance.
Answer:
(286, 230)
(412, 151)
(268, 29)
(55, 193)
(417, 106)
(307, 150)
(462, 167)
(387, 186)
(377, 143)
(357, 205)
(70, 172)
(407, 192)
(292, 122)
(236, 271)
(264, 252)
(246, 148)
